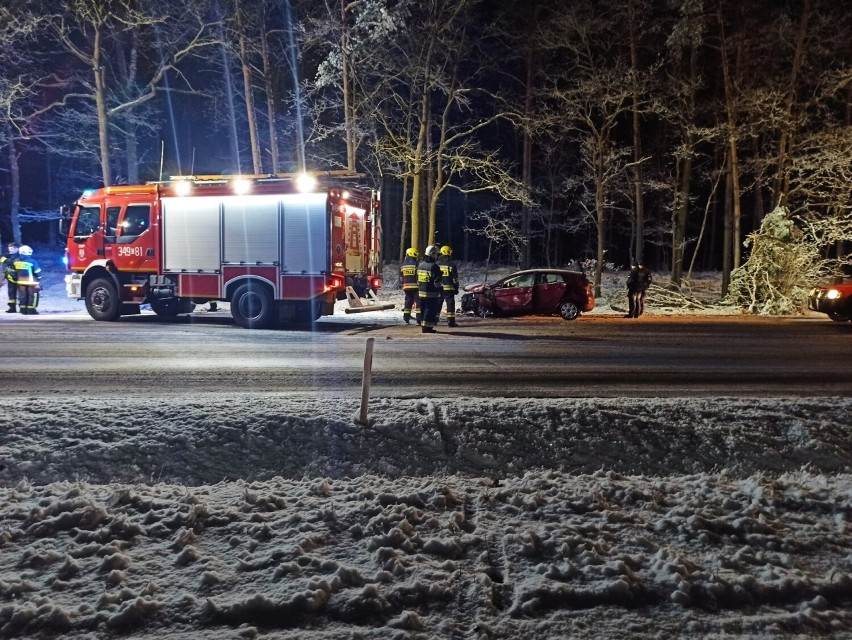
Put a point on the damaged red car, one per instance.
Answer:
(532, 292)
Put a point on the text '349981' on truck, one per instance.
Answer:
(279, 248)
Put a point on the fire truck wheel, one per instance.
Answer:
(102, 301)
(252, 307)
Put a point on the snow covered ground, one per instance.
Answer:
(266, 516)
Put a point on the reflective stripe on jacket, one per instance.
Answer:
(429, 279)
(408, 273)
(26, 271)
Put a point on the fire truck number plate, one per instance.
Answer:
(130, 251)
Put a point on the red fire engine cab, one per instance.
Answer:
(276, 248)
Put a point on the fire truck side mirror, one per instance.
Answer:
(64, 220)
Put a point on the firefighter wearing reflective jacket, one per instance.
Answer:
(449, 283)
(408, 281)
(6, 262)
(27, 275)
(430, 291)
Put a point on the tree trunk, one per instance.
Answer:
(100, 103)
(600, 219)
(781, 184)
(681, 211)
(403, 227)
(526, 166)
(348, 118)
(637, 141)
(727, 235)
(250, 115)
(131, 150)
(731, 109)
(270, 100)
(15, 187)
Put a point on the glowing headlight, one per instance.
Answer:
(183, 188)
(832, 294)
(306, 183)
(241, 186)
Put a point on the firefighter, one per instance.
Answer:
(429, 288)
(408, 282)
(7, 261)
(27, 275)
(449, 283)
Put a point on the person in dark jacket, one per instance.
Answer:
(408, 282)
(6, 262)
(27, 276)
(449, 283)
(429, 288)
(638, 283)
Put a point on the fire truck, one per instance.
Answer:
(280, 248)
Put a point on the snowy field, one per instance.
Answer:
(269, 516)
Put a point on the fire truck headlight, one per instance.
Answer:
(183, 187)
(241, 186)
(306, 183)
(832, 294)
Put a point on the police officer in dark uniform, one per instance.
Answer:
(644, 277)
(408, 282)
(632, 289)
(449, 283)
(638, 283)
(6, 264)
(429, 288)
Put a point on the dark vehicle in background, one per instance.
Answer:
(532, 292)
(833, 299)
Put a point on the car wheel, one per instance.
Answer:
(839, 317)
(569, 311)
(252, 307)
(481, 311)
(102, 300)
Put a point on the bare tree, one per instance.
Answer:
(87, 30)
(590, 95)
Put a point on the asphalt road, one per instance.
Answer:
(595, 356)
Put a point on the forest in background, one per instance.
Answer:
(531, 133)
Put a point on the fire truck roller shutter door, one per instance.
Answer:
(192, 233)
(306, 234)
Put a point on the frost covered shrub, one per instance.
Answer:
(783, 265)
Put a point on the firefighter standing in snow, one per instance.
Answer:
(430, 291)
(449, 283)
(27, 274)
(408, 281)
(7, 260)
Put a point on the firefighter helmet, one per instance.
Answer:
(446, 250)
(411, 252)
(431, 251)
(25, 250)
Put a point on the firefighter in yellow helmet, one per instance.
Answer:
(27, 275)
(408, 282)
(449, 283)
(429, 284)
(7, 260)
